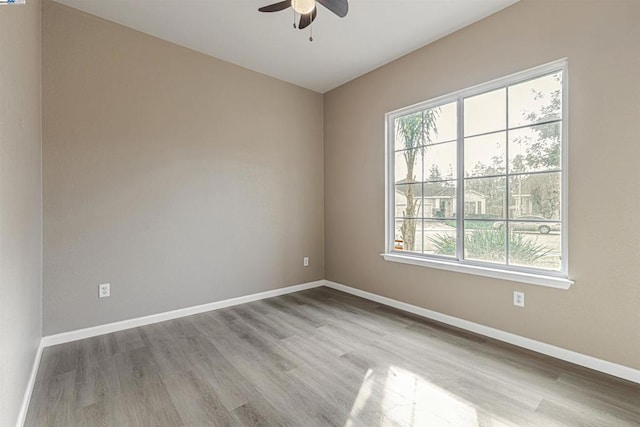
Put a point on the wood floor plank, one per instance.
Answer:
(96, 379)
(145, 398)
(259, 413)
(197, 401)
(317, 358)
(231, 386)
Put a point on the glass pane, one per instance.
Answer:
(487, 196)
(485, 113)
(529, 225)
(440, 161)
(535, 197)
(535, 101)
(441, 123)
(409, 131)
(483, 224)
(408, 201)
(485, 155)
(485, 244)
(408, 235)
(535, 148)
(439, 200)
(408, 167)
(531, 245)
(440, 237)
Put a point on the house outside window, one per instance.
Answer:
(478, 178)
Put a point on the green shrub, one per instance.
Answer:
(444, 243)
(487, 244)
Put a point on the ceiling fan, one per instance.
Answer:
(307, 10)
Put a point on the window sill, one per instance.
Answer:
(516, 276)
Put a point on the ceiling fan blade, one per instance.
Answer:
(339, 7)
(306, 20)
(276, 7)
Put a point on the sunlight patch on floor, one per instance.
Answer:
(398, 397)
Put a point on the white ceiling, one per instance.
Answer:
(374, 32)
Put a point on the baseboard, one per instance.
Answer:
(22, 415)
(591, 362)
(79, 334)
(596, 364)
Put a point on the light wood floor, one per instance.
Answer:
(316, 358)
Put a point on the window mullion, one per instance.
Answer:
(391, 187)
(564, 183)
(506, 180)
(460, 181)
(422, 152)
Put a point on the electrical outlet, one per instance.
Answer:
(305, 261)
(518, 299)
(104, 290)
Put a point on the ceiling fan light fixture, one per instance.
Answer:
(307, 10)
(303, 6)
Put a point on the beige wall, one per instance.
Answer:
(600, 314)
(178, 178)
(20, 203)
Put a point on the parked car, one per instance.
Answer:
(530, 223)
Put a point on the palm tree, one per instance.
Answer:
(415, 131)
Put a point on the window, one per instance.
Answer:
(476, 180)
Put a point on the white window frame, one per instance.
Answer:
(557, 279)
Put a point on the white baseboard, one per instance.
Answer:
(79, 334)
(22, 415)
(596, 364)
(591, 362)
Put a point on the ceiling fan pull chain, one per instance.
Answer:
(294, 18)
(310, 32)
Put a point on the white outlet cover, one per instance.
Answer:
(518, 299)
(104, 290)
(305, 261)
